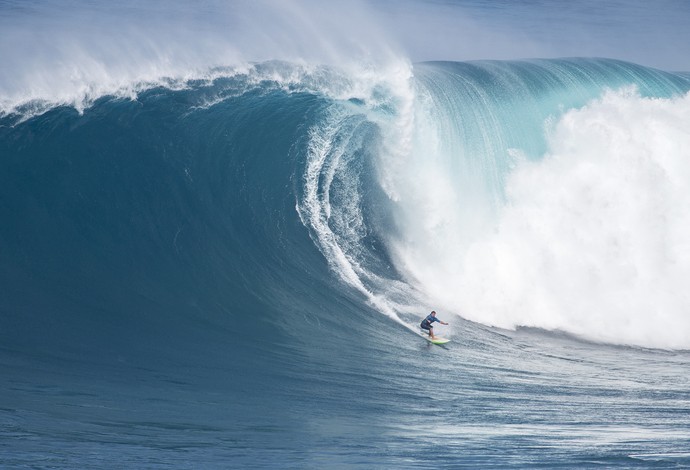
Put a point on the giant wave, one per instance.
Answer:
(536, 193)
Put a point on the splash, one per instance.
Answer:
(593, 238)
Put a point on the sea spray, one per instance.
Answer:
(594, 238)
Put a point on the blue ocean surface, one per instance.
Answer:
(217, 244)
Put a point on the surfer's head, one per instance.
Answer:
(433, 312)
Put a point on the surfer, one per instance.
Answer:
(427, 323)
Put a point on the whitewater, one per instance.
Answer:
(219, 235)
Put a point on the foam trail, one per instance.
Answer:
(332, 203)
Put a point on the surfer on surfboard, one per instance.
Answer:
(428, 321)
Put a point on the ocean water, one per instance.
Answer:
(217, 242)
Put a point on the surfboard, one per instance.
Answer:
(436, 340)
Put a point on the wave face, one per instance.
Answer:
(239, 251)
(171, 210)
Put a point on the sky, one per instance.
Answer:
(655, 33)
(652, 33)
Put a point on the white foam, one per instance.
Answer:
(595, 237)
(339, 228)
